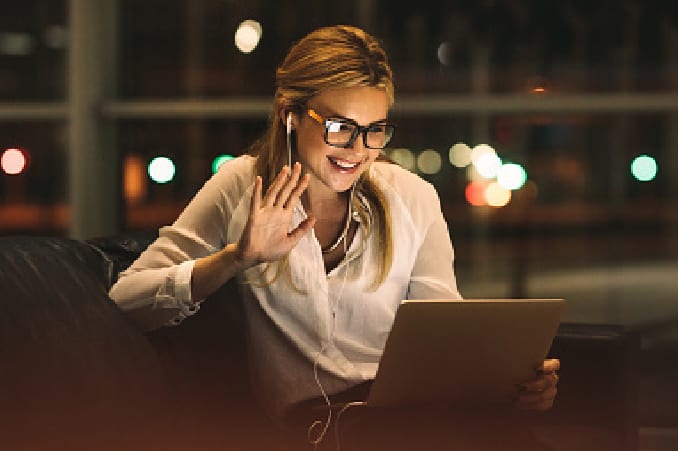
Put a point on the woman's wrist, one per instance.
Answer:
(212, 271)
(240, 260)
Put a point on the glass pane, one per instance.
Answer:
(187, 48)
(192, 147)
(33, 178)
(599, 202)
(580, 204)
(588, 224)
(33, 50)
(518, 46)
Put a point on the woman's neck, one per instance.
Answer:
(324, 203)
(332, 227)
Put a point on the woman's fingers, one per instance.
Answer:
(256, 196)
(291, 183)
(538, 401)
(540, 393)
(304, 227)
(278, 183)
(286, 188)
(541, 383)
(266, 236)
(296, 193)
(549, 366)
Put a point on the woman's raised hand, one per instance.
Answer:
(266, 236)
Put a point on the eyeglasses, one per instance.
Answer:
(343, 132)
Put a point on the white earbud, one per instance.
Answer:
(289, 140)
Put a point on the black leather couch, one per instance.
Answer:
(77, 374)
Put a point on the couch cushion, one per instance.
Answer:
(204, 359)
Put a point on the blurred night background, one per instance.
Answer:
(569, 110)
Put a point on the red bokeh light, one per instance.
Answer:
(13, 161)
(475, 193)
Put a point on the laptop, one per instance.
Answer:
(463, 352)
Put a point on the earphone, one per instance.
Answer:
(313, 438)
(324, 425)
(289, 140)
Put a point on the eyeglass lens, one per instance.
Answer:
(375, 136)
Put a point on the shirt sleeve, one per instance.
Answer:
(156, 289)
(433, 272)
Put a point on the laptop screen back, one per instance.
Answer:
(452, 352)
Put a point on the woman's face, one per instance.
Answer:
(335, 168)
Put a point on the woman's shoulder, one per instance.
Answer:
(243, 164)
(239, 171)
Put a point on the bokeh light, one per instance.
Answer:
(538, 85)
(404, 157)
(511, 176)
(161, 169)
(644, 168)
(134, 182)
(496, 195)
(475, 193)
(444, 53)
(472, 173)
(218, 161)
(429, 161)
(13, 161)
(16, 43)
(56, 37)
(486, 161)
(480, 150)
(248, 35)
(460, 155)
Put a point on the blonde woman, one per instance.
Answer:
(327, 237)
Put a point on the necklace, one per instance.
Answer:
(347, 224)
(342, 236)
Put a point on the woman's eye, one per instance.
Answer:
(333, 127)
(338, 127)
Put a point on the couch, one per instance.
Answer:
(77, 374)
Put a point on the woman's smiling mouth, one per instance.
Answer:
(344, 165)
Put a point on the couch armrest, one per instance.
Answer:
(74, 369)
(120, 251)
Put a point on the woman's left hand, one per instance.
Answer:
(538, 394)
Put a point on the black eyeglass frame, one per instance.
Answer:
(359, 129)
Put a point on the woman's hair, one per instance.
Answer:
(330, 58)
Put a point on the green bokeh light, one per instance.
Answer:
(218, 161)
(644, 168)
(161, 169)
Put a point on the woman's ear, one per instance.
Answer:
(288, 119)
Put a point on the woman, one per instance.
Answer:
(328, 238)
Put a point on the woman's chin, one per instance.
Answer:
(345, 183)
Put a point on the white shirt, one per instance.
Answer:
(335, 319)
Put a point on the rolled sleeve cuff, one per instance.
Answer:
(182, 288)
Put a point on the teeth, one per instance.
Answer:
(344, 164)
